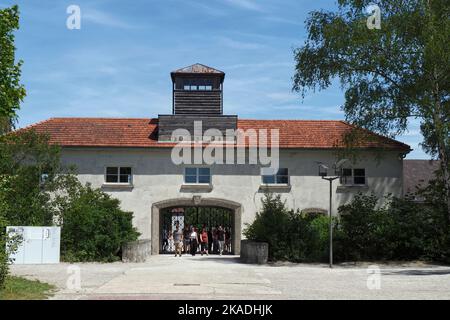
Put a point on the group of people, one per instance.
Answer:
(191, 240)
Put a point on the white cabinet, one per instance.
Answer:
(39, 245)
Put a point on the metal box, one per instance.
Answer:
(39, 245)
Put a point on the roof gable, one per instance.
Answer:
(198, 68)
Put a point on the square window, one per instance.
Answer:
(118, 175)
(197, 175)
(353, 176)
(281, 176)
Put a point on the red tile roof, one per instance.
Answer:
(111, 132)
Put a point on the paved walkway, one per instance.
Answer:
(213, 277)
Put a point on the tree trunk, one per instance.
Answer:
(442, 148)
(446, 176)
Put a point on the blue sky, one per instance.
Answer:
(118, 64)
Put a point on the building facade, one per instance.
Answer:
(133, 160)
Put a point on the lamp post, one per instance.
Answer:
(323, 173)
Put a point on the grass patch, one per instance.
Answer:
(23, 289)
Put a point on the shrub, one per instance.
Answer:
(291, 235)
(3, 254)
(363, 229)
(400, 230)
(270, 226)
(93, 226)
(8, 245)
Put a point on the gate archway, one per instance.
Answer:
(196, 201)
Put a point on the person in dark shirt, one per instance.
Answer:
(221, 239)
(210, 238)
(187, 238)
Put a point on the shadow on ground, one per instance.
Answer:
(415, 272)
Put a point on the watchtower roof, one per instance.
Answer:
(198, 68)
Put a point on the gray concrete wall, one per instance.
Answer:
(136, 251)
(157, 179)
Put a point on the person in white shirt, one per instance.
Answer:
(193, 241)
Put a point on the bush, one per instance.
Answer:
(291, 235)
(93, 226)
(8, 245)
(270, 226)
(3, 254)
(364, 229)
(400, 230)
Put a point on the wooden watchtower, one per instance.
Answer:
(197, 96)
(197, 89)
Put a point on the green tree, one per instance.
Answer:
(12, 92)
(37, 190)
(28, 167)
(390, 75)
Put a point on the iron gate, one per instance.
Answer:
(198, 217)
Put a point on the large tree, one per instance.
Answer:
(390, 75)
(12, 91)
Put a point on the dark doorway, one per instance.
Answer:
(198, 217)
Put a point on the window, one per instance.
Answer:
(197, 175)
(353, 176)
(198, 85)
(118, 175)
(281, 177)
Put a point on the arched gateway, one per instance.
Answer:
(196, 201)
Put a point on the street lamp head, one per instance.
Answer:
(340, 163)
(338, 167)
